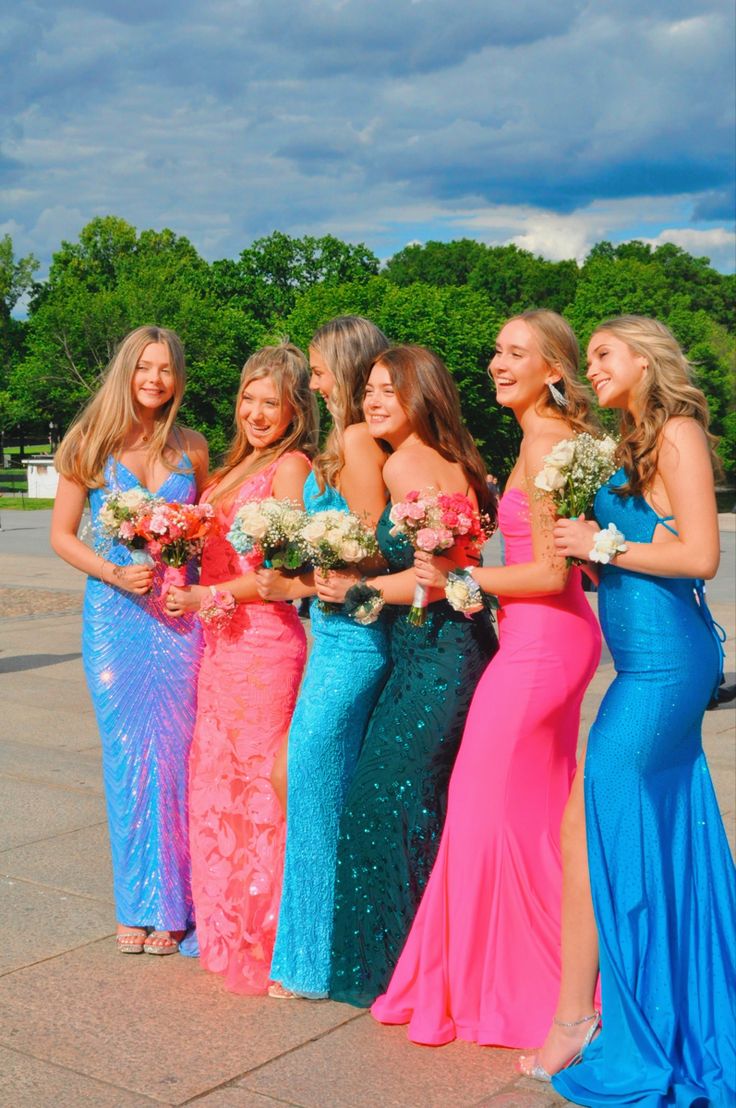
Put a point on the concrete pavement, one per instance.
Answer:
(79, 1025)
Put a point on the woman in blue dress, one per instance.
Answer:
(345, 673)
(141, 665)
(661, 874)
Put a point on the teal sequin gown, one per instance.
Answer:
(661, 873)
(395, 808)
(345, 673)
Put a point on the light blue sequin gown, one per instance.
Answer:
(346, 671)
(661, 873)
(141, 669)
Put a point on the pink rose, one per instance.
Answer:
(427, 539)
(414, 511)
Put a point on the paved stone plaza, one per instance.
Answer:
(80, 1025)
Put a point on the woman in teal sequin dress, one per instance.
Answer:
(141, 665)
(346, 670)
(661, 875)
(395, 807)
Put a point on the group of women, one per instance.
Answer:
(396, 820)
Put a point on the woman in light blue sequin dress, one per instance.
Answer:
(661, 875)
(141, 665)
(346, 671)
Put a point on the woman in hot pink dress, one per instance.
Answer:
(248, 681)
(482, 961)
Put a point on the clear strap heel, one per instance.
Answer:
(528, 1064)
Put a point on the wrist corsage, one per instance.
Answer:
(463, 592)
(217, 609)
(607, 544)
(363, 603)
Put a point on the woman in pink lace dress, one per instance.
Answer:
(250, 675)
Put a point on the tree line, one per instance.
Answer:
(452, 297)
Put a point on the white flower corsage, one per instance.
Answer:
(463, 592)
(608, 542)
(363, 603)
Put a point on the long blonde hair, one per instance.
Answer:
(349, 345)
(559, 349)
(287, 367)
(100, 429)
(665, 391)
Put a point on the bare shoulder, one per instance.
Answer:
(194, 442)
(409, 469)
(294, 466)
(359, 445)
(682, 430)
(536, 450)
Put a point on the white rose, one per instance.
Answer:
(314, 531)
(350, 551)
(550, 479)
(562, 453)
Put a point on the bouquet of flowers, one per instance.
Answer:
(574, 470)
(121, 518)
(433, 522)
(273, 528)
(333, 540)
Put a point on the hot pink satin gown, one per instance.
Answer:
(482, 961)
(248, 683)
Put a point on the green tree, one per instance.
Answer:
(16, 279)
(435, 263)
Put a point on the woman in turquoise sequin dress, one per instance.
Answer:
(347, 668)
(661, 875)
(395, 807)
(141, 665)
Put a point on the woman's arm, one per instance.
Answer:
(361, 477)
(65, 520)
(684, 466)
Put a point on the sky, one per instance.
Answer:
(552, 124)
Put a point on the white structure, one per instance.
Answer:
(42, 477)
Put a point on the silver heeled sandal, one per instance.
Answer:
(538, 1072)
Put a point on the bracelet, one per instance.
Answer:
(607, 544)
(217, 609)
(463, 592)
(103, 563)
(117, 572)
(363, 603)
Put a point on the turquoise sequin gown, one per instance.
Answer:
(141, 668)
(395, 808)
(661, 873)
(346, 671)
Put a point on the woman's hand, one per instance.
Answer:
(574, 537)
(179, 601)
(334, 583)
(272, 584)
(133, 578)
(431, 571)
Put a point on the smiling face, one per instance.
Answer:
(262, 414)
(321, 379)
(153, 383)
(615, 371)
(517, 368)
(384, 414)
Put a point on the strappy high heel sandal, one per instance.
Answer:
(529, 1065)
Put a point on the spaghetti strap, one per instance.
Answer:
(664, 520)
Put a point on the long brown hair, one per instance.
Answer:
(349, 345)
(429, 396)
(665, 391)
(287, 367)
(559, 348)
(100, 429)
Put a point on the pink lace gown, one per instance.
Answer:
(482, 961)
(248, 682)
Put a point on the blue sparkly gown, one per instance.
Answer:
(661, 873)
(141, 669)
(395, 808)
(347, 669)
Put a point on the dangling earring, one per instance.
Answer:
(559, 397)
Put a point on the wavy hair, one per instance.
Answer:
(100, 429)
(429, 396)
(559, 349)
(286, 366)
(349, 345)
(666, 391)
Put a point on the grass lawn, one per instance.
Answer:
(24, 503)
